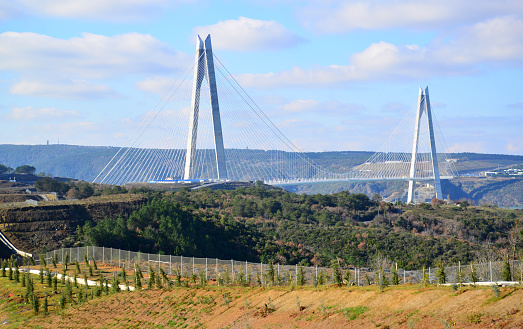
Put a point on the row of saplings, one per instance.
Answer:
(73, 289)
(73, 293)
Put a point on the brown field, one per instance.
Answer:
(405, 306)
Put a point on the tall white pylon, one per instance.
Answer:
(424, 107)
(204, 67)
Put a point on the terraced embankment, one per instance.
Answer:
(32, 228)
(237, 307)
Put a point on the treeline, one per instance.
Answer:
(81, 190)
(24, 169)
(258, 224)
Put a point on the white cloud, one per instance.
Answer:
(247, 34)
(114, 10)
(515, 145)
(396, 107)
(476, 147)
(154, 84)
(321, 108)
(90, 56)
(341, 16)
(74, 90)
(301, 105)
(9, 9)
(46, 113)
(497, 41)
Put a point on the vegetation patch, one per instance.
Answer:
(353, 313)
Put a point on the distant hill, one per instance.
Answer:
(80, 162)
(85, 162)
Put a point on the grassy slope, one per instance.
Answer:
(328, 307)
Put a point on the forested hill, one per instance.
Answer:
(85, 162)
(256, 224)
(79, 162)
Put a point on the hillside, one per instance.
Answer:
(49, 225)
(258, 224)
(405, 306)
(85, 162)
(502, 191)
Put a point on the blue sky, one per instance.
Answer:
(333, 75)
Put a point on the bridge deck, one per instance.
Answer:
(336, 180)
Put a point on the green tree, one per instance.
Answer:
(51, 185)
(440, 274)
(336, 272)
(300, 277)
(3, 169)
(25, 169)
(506, 274)
(395, 278)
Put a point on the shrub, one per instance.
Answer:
(300, 277)
(336, 272)
(495, 290)
(440, 273)
(506, 275)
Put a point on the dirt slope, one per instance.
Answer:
(237, 307)
(31, 228)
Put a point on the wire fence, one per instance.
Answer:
(260, 273)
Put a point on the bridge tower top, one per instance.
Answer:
(424, 107)
(204, 67)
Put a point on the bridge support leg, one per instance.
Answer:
(423, 106)
(433, 153)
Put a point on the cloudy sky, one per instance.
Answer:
(332, 75)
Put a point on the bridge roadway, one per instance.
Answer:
(299, 181)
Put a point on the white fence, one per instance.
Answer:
(214, 268)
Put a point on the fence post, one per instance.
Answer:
(158, 262)
(490, 265)
(87, 252)
(232, 269)
(246, 271)
(181, 265)
(129, 259)
(261, 273)
(429, 275)
(170, 264)
(205, 268)
(111, 256)
(404, 278)
(148, 261)
(193, 265)
(278, 269)
(103, 254)
(119, 257)
(62, 255)
(296, 274)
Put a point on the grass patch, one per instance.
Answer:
(353, 313)
(474, 318)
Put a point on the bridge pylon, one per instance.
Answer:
(204, 68)
(423, 107)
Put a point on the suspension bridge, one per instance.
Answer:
(206, 128)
